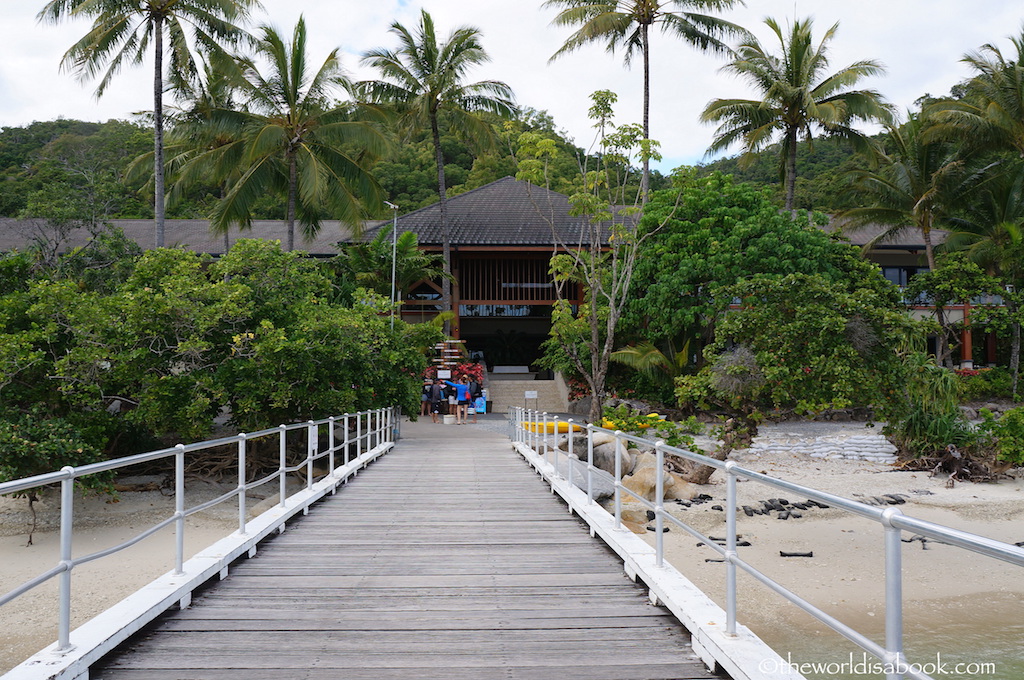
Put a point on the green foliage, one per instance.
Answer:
(983, 384)
(677, 434)
(716, 232)
(801, 341)
(1006, 434)
(34, 443)
(924, 415)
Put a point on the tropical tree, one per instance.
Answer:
(369, 263)
(798, 95)
(293, 140)
(990, 115)
(424, 79)
(919, 183)
(121, 33)
(627, 24)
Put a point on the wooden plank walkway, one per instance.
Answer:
(448, 558)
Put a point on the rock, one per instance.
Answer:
(680, 489)
(644, 460)
(601, 438)
(603, 487)
(644, 482)
(604, 458)
(969, 413)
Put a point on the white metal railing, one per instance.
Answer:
(531, 428)
(373, 429)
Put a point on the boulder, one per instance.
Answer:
(644, 482)
(680, 489)
(603, 438)
(602, 485)
(604, 458)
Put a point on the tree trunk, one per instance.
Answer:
(293, 186)
(791, 139)
(446, 240)
(1014, 348)
(645, 178)
(158, 129)
(944, 354)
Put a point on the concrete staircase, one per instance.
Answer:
(506, 393)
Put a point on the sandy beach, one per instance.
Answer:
(962, 604)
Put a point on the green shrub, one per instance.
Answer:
(33, 444)
(1006, 434)
(983, 384)
(631, 422)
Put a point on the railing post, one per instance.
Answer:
(544, 438)
(730, 549)
(659, 504)
(282, 463)
(893, 593)
(568, 456)
(590, 464)
(241, 484)
(618, 479)
(179, 509)
(312, 439)
(359, 434)
(330, 444)
(346, 443)
(67, 507)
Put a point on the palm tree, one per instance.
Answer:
(798, 96)
(370, 262)
(424, 79)
(121, 33)
(627, 24)
(293, 140)
(991, 114)
(919, 184)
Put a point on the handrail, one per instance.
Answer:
(381, 427)
(892, 520)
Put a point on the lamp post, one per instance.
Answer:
(394, 257)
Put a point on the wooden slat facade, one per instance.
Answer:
(446, 559)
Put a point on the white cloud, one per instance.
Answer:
(919, 41)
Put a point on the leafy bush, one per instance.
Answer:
(33, 444)
(1006, 434)
(984, 384)
(622, 417)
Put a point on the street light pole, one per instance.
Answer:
(394, 258)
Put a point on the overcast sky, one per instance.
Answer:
(920, 42)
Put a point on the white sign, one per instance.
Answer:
(444, 374)
(531, 394)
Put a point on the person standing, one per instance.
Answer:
(425, 404)
(437, 395)
(461, 399)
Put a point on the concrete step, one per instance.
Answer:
(506, 393)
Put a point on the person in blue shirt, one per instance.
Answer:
(462, 398)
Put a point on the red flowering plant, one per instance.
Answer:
(471, 371)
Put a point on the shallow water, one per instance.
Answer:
(980, 636)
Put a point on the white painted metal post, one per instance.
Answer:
(67, 507)
(241, 484)
(544, 438)
(893, 592)
(590, 464)
(359, 434)
(311, 449)
(659, 504)
(282, 463)
(730, 549)
(568, 457)
(179, 509)
(618, 479)
(331, 448)
(346, 443)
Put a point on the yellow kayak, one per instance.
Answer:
(551, 426)
(610, 424)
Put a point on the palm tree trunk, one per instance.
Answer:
(942, 348)
(446, 241)
(158, 129)
(791, 171)
(645, 178)
(1014, 347)
(293, 185)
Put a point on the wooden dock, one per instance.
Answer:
(448, 558)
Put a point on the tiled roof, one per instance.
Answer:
(192, 235)
(908, 239)
(507, 212)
